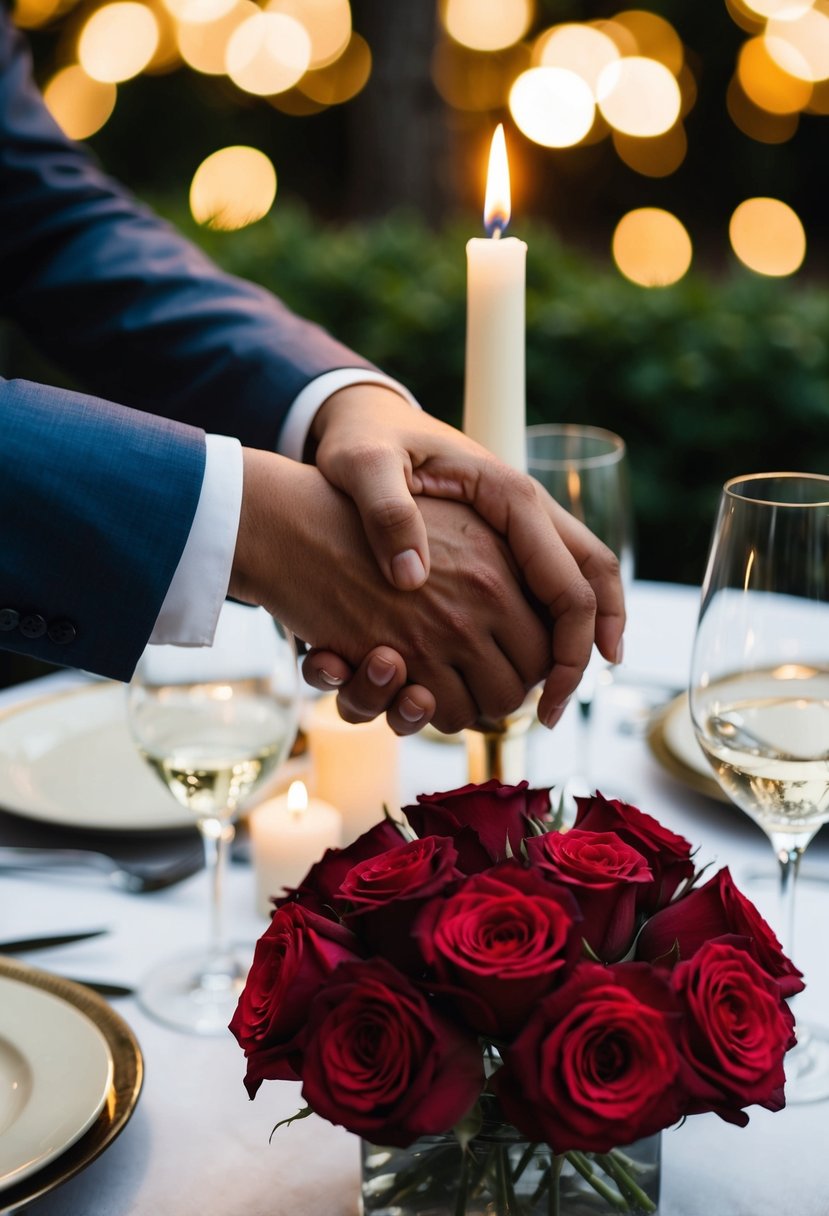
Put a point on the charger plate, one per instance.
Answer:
(672, 740)
(122, 1092)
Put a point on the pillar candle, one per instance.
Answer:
(287, 835)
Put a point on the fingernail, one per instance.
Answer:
(620, 651)
(551, 716)
(408, 570)
(331, 681)
(410, 711)
(380, 671)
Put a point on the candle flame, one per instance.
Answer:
(297, 798)
(497, 206)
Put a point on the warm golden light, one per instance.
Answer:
(498, 200)
(197, 12)
(766, 84)
(552, 107)
(767, 236)
(651, 247)
(267, 53)
(758, 124)
(656, 157)
(472, 80)
(785, 10)
(582, 49)
(203, 45)
(118, 41)
(487, 25)
(232, 188)
(801, 47)
(341, 80)
(744, 17)
(297, 798)
(639, 96)
(29, 14)
(327, 23)
(654, 37)
(79, 105)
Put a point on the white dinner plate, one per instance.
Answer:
(55, 1073)
(674, 743)
(68, 758)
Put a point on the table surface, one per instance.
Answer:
(196, 1146)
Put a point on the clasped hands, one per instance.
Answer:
(432, 581)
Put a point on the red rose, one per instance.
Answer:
(605, 875)
(385, 893)
(668, 855)
(381, 1062)
(499, 944)
(596, 1065)
(318, 889)
(737, 1030)
(292, 960)
(713, 910)
(480, 819)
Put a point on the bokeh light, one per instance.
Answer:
(79, 105)
(653, 37)
(342, 79)
(758, 124)
(327, 23)
(487, 25)
(784, 10)
(30, 14)
(232, 188)
(767, 236)
(808, 37)
(203, 45)
(552, 106)
(639, 96)
(118, 41)
(267, 53)
(819, 100)
(474, 81)
(198, 11)
(651, 247)
(656, 157)
(582, 49)
(766, 84)
(745, 17)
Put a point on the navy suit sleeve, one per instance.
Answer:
(120, 299)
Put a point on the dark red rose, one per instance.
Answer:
(596, 1065)
(480, 819)
(668, 855)
(736, 1031)
(320, 886)
(385, 893)
(380, 1061)
(713, 910)
(293, 959)
(605, 874)
(499, 944)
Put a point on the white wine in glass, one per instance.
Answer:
(213, 723)
(760, 686)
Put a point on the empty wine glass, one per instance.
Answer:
(760, 685)
(585, 470)
(213, 723)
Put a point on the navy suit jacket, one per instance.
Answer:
(97, 494)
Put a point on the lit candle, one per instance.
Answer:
(354, 765)
(494, 403)
(287, 835)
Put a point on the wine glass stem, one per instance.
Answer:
(789, 853)
(584, 701)
(217, 837)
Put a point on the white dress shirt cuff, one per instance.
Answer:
(301, 414)
(194, 598)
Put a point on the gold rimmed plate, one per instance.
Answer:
(673, 742)
(126, 1076)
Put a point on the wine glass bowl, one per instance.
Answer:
(213, 723)
(759, 690)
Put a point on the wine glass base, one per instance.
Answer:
(188, 994)
(807, 1066)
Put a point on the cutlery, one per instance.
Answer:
(126, 876)
(21, 945)
(103, 988)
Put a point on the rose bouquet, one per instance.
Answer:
(480, 970)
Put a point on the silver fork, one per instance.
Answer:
(126, 876)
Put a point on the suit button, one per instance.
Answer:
(32, 625)
(62, 632)
(9, 619)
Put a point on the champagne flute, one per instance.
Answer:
(213, 723)
(585, 470)
(760, 685)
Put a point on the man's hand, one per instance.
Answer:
(380, 451)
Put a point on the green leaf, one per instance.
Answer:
(468, 1127)
(301, 1114)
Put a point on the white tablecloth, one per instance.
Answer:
(196, 1146)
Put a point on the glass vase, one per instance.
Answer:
(502, 1174)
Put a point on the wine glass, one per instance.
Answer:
(760, 685)
(585, 470)
(213, 723)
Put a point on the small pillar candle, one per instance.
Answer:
(287, 835)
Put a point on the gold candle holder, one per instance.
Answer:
(498, 749)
